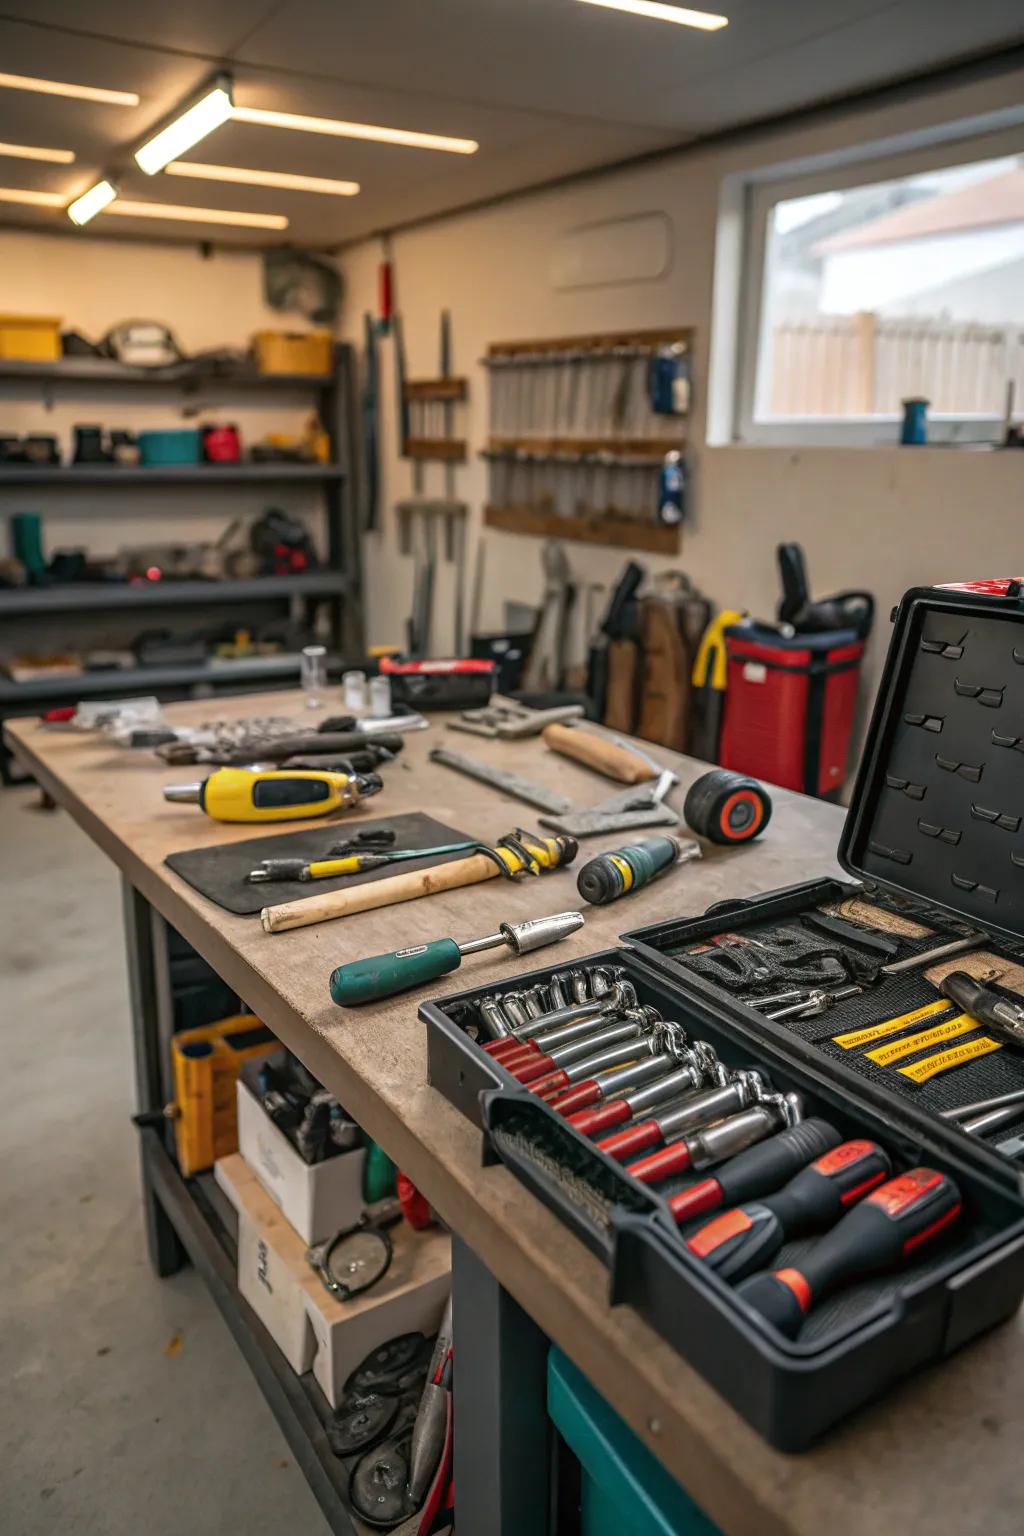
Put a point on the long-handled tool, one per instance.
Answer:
(739, 1242)
(891, 1226)
(241, 794)
(348, 864)
(719, 1142)
(517, 854)
(366, 981)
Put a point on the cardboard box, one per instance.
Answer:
(319, 1199)
(313, 1329)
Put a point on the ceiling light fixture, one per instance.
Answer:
(32, 199)
(34, 152)
(206, 114)
(247, 178)
(62, 88)
(705, 21)
(199, 215)
(343, 130)
(99, 196)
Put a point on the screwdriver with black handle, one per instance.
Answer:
(887, 1229)
(1001, 1015)
(739, 1242)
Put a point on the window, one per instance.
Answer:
(865, 290)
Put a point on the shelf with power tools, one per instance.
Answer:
(800, 1112)
(586, 436)
(257, 564)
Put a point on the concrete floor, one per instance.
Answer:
(126, 1403)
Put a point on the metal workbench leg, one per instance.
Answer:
(145, 938)
(502, 1439)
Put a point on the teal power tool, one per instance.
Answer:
(612, 875)
(366, 981)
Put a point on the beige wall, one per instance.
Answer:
(91, 284)
(881, 518)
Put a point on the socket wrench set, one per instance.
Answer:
(711, 1108)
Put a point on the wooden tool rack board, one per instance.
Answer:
(939, 1454)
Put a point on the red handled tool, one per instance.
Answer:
(747, 1238)
(552, 1083)
(889, 1227)
(613, 1111)
(541, 1064)
(699, 1063)
(606, 1007)
(722, 1141)
(700, 1109)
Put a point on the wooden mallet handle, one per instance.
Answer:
(597, 753)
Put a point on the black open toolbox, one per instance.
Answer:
(952, 661)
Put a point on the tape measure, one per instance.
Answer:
(727, 807)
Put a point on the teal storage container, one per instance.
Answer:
(625, 1491)
(180, 445)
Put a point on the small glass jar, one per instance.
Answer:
(313, 675)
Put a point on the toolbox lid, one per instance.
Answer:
(938, 807)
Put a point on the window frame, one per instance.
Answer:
(761, 193)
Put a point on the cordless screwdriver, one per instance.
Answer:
(887, 1228)
(278, 794)
(612, 875)
(747, 1238)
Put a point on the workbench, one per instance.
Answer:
(940, 1454)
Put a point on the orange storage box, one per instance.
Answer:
(30, 338)
(293, 351)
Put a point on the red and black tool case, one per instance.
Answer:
(935, 831)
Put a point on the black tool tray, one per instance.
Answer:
(853, 1346)
(952, 689)
(935, 830)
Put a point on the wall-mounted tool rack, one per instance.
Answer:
(575, 449)
(428, 409)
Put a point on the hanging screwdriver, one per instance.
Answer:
(347, 864)
(365, 981)
(758, 1170)
(245, 794)
(747, 1238)
(1004, 1017)
(745, 1089)
(892, 1225)
(612, 875)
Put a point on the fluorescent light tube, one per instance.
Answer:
(62, 88)
(342, 130)
(202, 118)
(706, 21)
(199, 215)
(34, 152)
(247, 178)
(33, 199)
(92, 202)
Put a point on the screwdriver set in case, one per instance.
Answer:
(781, 1197)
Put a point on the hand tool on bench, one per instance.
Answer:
(517, 854)
(757, 1170)
(720, 1142)
(509, 783)
(745, 1239)
(347, 864)
(612, 875)
(238, 794)
(365, 981)
(892, 1225)
(743, 1090)
(1001, 1015)
(699, 1063)
(595, 751)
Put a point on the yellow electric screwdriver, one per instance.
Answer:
(278, 794)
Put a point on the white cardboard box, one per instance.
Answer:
(319, 1199)
(313, 1329)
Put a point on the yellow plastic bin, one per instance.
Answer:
(30, 338)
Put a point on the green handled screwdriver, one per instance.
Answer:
(366, 981)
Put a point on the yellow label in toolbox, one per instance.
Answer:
(961, 1025)
(891, 1026)
(931, 1066)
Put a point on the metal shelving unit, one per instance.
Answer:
(337, 584)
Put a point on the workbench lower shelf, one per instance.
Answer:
(192, 1206)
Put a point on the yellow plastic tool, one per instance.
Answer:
(246, 794)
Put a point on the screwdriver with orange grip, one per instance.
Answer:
(741, 1241)
(890, 1227)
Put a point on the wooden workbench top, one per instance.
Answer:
(938, 1455)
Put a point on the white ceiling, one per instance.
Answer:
(547, 87)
